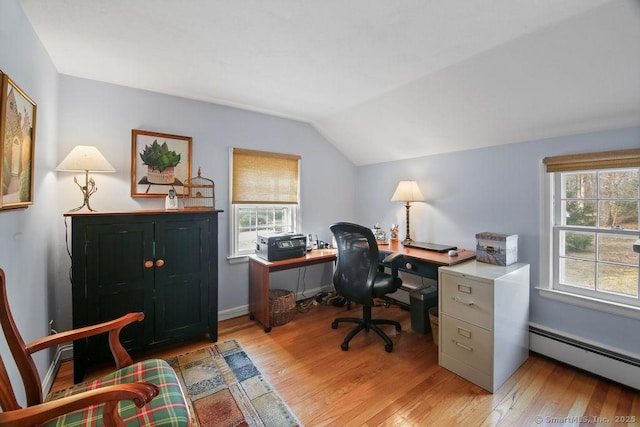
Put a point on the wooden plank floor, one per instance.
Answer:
(367, 386)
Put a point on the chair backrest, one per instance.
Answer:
(358, 261)
(22, 358)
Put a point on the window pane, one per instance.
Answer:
(619, 279)
(577, 273)
(578, 212)
(617, 248)
(618, 184)
(261, 219)
(578, 245)
(618, 214)
(579, 185)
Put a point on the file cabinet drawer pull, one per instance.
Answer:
(459, 344)
(456, 299)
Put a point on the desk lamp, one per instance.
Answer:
(407, 191)
(85, 158)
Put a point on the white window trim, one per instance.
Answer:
(545, 288)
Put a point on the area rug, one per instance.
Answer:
(225, 388)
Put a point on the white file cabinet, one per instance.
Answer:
(484, 321)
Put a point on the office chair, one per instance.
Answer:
(358, 279)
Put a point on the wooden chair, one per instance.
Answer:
(144, 393)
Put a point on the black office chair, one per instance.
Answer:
(358, 279)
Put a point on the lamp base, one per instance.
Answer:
(87, 190)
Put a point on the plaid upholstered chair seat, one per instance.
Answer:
(168, 408)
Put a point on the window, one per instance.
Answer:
(264, 196)
(592, 226)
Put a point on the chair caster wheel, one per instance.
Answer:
(344, 346)
(388, 348)
(334, 325)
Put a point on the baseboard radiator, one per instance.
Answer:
(616, 365)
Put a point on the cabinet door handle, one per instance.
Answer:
(459, 344)
(456, 299)
(148, 264)
(159, 262)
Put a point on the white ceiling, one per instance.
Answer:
(381, 79)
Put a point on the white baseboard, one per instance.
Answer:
(614, 364)
(63, 352)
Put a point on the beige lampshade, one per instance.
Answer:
(85, 158)
(407, 191)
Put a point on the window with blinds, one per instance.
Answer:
(593, 221)
(264, 196)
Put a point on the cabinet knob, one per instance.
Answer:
(159, 262)
(148, 264)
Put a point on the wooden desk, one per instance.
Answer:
(422, 262)
(259, 270)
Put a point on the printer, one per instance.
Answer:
(279, 246)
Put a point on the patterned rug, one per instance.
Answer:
(225, 388)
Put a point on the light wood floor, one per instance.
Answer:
(367, 386)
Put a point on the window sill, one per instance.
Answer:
(592, 303)
(238, 259)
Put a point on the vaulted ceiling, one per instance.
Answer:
(382, 80)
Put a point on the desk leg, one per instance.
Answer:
(259, 294)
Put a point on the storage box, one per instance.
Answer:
(496, 248)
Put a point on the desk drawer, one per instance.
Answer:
(466, 343)
(415, 266)
(467, 299)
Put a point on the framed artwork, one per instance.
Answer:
(159, 162)
(17, 143)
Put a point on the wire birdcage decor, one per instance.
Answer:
(199, 192)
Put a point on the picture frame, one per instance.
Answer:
(17, 145)
(159, 162)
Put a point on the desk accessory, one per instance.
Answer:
(433, 247)
(407, 191)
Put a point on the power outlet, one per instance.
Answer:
(51, 330)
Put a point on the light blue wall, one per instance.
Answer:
(26, 235)
(495, 189)
(100, 114)
(491, 189)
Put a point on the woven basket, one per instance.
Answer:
(433, 319)
(282, 305)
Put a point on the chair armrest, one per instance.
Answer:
(140, 393)
(114, 327)
(391, 257)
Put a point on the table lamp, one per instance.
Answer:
(407, 191)
(84, 158)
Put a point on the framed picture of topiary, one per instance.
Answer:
(159, 162)
(17, 142)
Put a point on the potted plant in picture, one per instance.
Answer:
(161, 163)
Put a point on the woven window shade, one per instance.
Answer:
(601, 160)
(264, 177)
